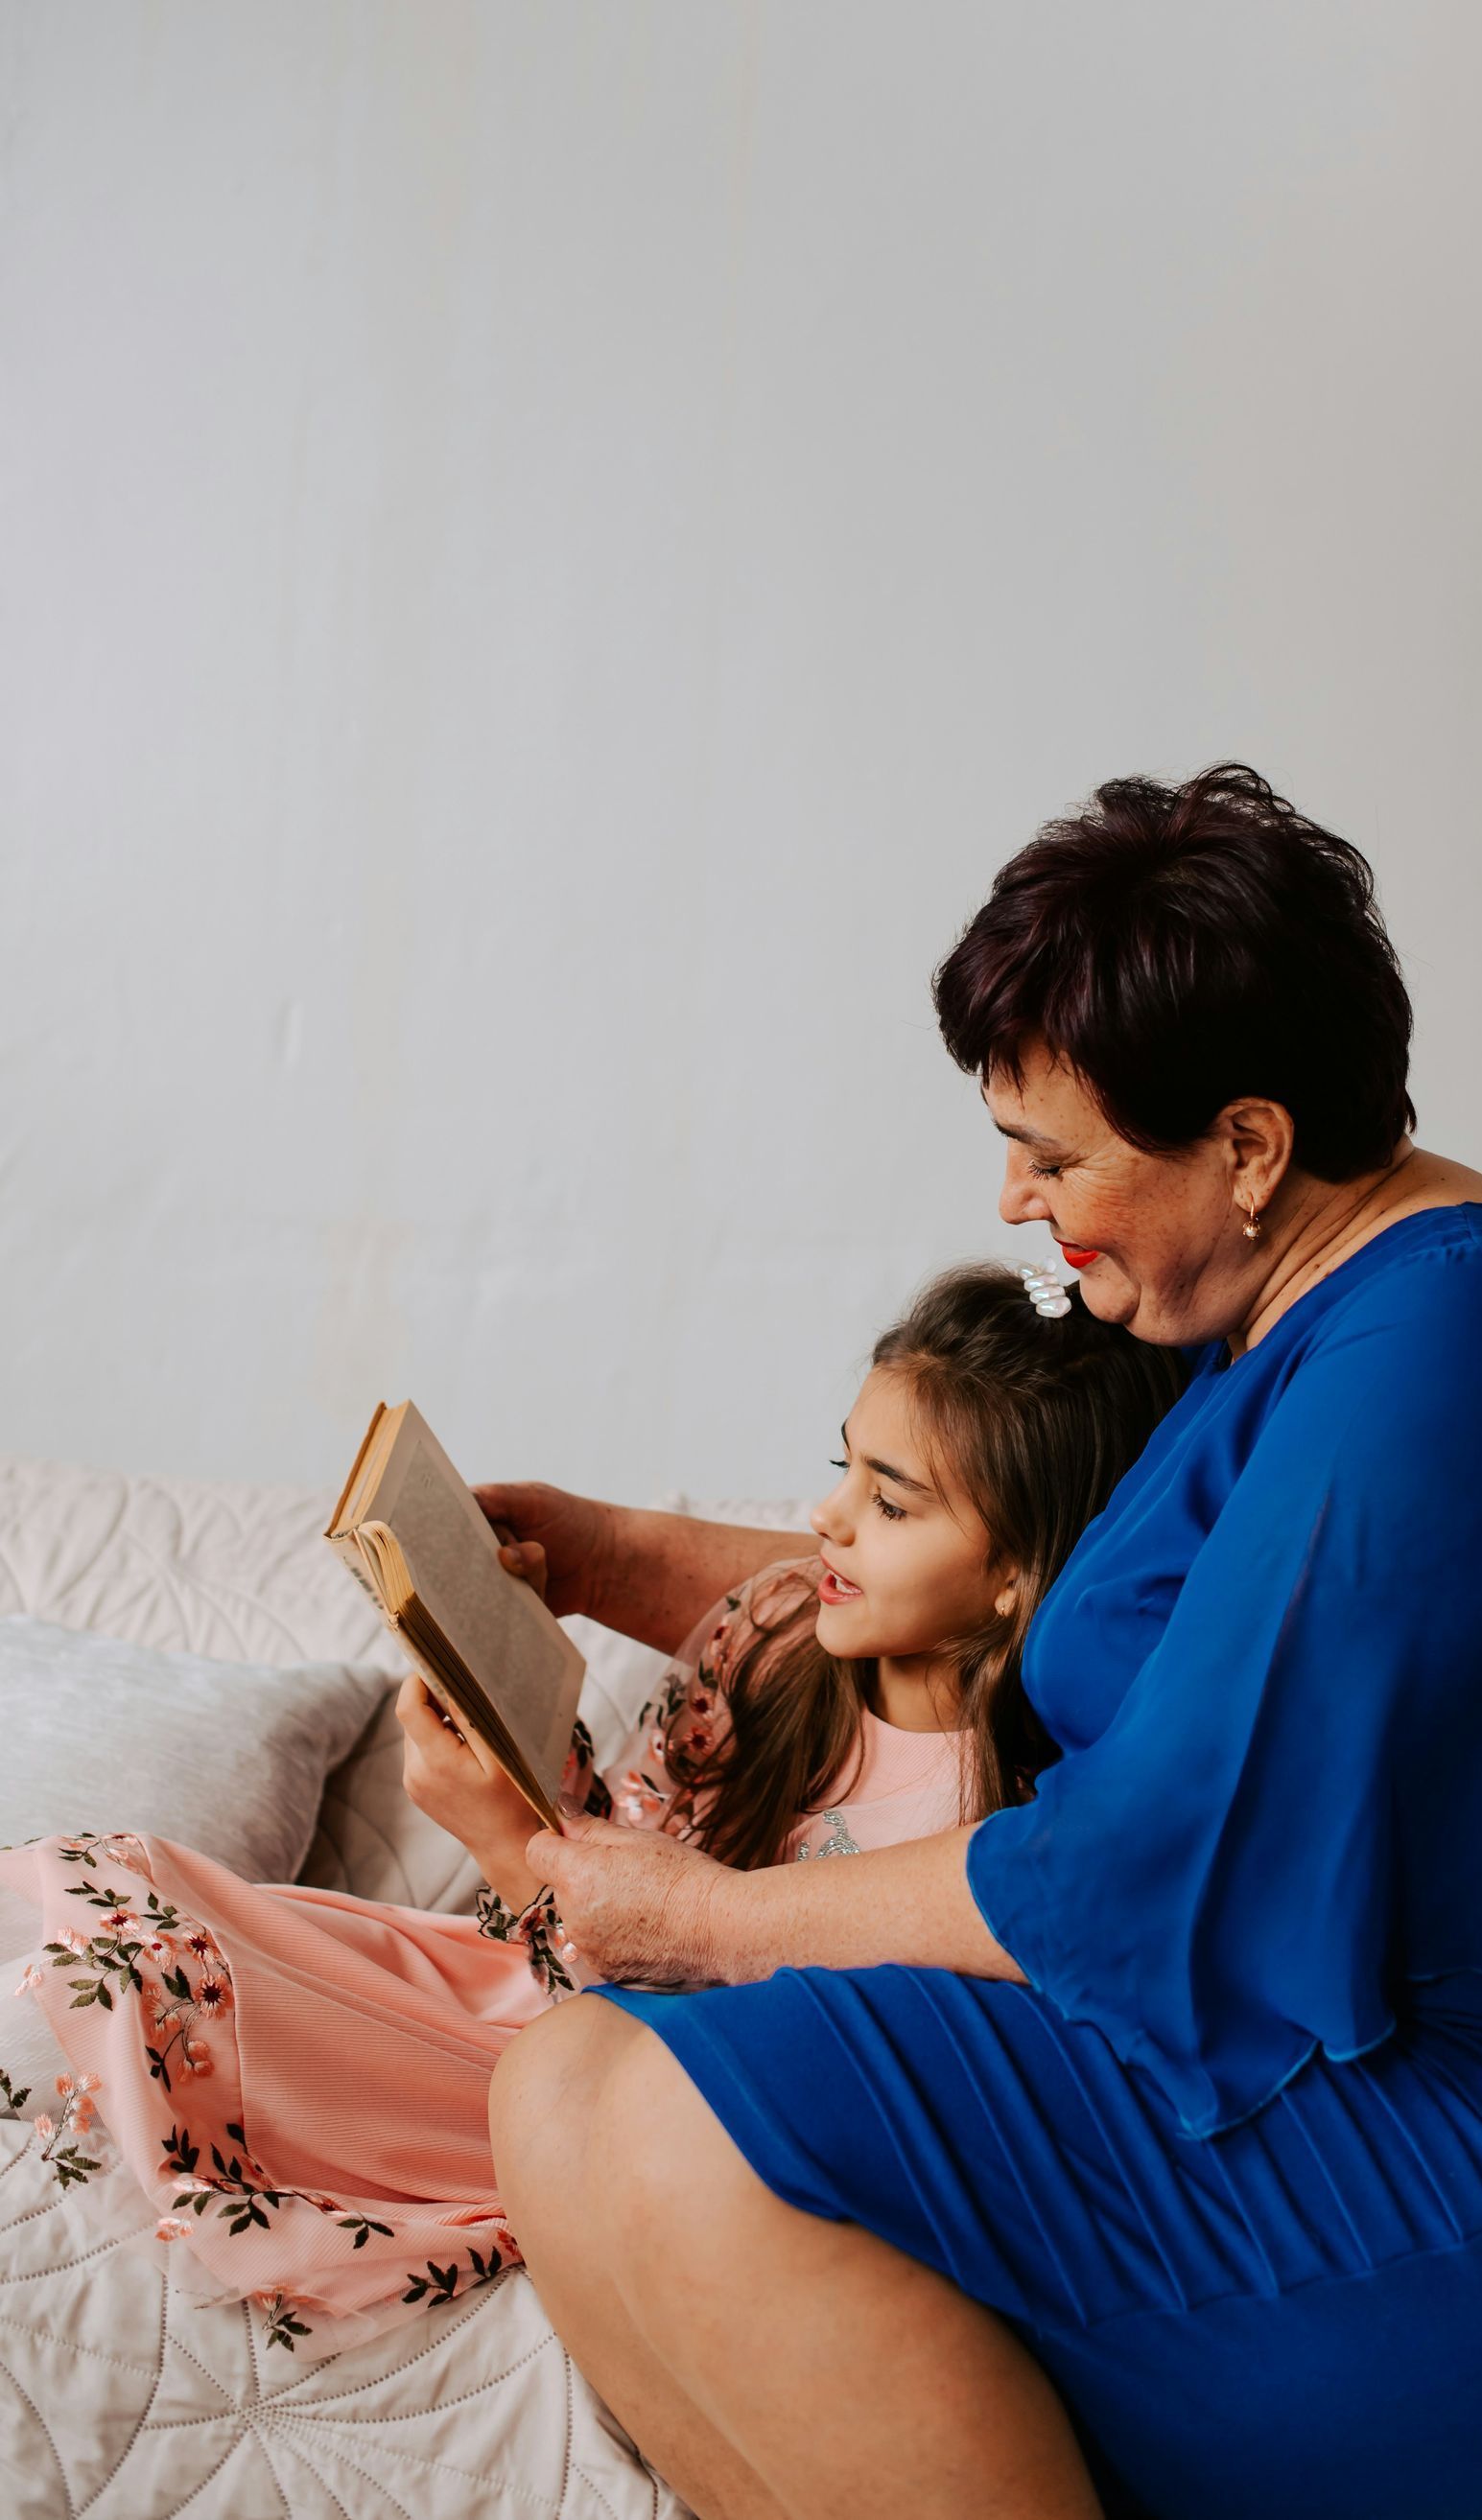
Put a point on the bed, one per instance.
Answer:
(119, 2398)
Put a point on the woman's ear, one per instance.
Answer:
(1261, 1136)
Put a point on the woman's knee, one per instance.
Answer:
(547, 2093)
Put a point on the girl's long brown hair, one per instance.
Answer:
(1039, 1418)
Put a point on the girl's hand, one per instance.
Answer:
(640, 1908)
(460, 1784)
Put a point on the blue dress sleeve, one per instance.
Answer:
(1281, 1819)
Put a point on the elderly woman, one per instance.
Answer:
(1124, 2151)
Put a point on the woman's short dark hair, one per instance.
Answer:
(1181, 946)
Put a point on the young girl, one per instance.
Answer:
(298, 2079)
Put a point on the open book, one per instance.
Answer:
(503, 1667)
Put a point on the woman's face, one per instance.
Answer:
(1169, 1261)
(910, 1549)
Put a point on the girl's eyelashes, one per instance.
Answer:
(892, 1513)
(1046, 1172)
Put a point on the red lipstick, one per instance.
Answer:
(1077, 1258)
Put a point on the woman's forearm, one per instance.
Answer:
(661, 1572)
(907, 1903)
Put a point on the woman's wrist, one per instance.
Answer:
(734, 1931)
(727, 1929)
(602, 1560)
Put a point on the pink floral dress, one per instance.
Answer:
(299, 2079)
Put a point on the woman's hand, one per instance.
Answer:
(460, 1784)
(562, 1544)
(648, 1575)
(642, 1909)
(650, 1909)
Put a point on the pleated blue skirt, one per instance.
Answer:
(1286, 2318)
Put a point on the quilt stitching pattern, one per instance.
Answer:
(466, 2476)
(477, 2404)
(143, 2420)
(50, 2438)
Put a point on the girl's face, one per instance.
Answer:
(913, 1560)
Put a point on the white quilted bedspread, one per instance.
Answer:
(121, 2400)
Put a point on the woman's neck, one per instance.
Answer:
(1334, 1220)
(916, 1693)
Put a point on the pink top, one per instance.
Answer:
(905, 1785)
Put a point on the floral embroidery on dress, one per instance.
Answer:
(115, 1846)
(136, 1947)
(243, 2197)
(680, 1728)
(582, 1782)
(445, 2283)
(277, 2309)
(107, 1966)
(71, 2166)
(154, 1933)
(537, 1926)
(640, 1799)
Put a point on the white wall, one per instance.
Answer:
(550, 548)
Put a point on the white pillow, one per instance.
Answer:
(229, 1758)
(207, 1567)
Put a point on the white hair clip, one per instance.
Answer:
(1045, 1292)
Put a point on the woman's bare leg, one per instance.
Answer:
(541, 2123)
(766, 2360)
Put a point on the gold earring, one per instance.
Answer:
(1252, 1227)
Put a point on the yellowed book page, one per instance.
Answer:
(341, 1515)
(358, 1499)
(502, 1631)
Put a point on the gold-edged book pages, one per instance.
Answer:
(411, 1531)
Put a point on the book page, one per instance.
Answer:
(519, 1654)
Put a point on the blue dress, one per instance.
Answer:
(1220, 2161)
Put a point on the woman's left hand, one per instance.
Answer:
(640, 1908)
(648, 1909)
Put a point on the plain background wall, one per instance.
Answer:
(550, 550)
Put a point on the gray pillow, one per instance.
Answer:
(229, 1758)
